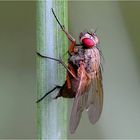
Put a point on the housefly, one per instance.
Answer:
(83, 78)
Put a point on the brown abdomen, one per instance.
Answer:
(66, 92)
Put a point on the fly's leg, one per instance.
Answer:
(57, 87)
(72, 47)
(69, 36)
(63, 28)
(68, 78)
(60, 61)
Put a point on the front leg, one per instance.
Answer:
(72, 48)
(63, 28)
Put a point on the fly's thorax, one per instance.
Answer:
(92, 59)
(76, 58)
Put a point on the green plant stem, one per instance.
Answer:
(52, 42)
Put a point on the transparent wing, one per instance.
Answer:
(80, 99)
(77, 109)
(95, 98)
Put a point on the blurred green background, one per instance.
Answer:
(118, 29)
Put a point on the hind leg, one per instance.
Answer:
(56, 87)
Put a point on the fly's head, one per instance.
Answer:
(89, 39)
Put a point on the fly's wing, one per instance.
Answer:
(95, 98)
(80, 99)
(77, 109)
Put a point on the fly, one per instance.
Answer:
(83, 78)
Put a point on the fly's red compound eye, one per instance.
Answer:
(89, 40)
